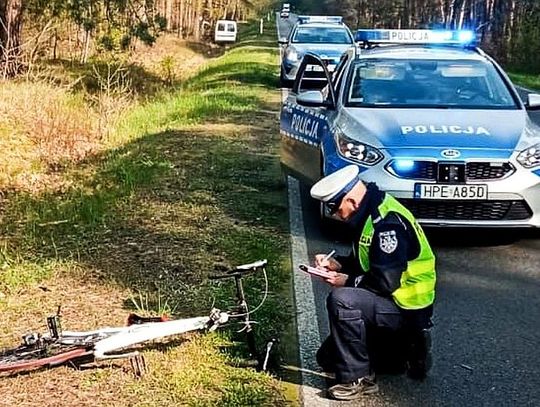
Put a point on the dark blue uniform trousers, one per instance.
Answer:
(354, 314)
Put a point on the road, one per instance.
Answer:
(487, 315)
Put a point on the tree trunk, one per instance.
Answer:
(169, 14)
(197, 20)
(10, 36)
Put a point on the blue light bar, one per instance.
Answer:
(456, 37)
(320, 19)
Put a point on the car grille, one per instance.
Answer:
(474, 171)
(487, 171)
(424, 170)
(468, 210)
(314, 75)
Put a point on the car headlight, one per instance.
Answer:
(530, 157)
(357, 151)
(291, 55)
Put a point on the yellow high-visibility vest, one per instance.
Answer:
(417, 288)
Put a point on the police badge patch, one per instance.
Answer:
(388, 241)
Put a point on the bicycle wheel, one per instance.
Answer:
(26, 358)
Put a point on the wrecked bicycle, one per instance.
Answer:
(57, 347)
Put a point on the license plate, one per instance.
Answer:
(445, 191)
(314, 68)
(318, 68)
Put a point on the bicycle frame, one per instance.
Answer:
(119, 338)
(108, 342)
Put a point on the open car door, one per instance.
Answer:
(303, 120)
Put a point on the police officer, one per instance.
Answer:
(386, 284)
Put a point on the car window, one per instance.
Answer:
(428, 83)
(322, 35)
(231, 28)
(221, 27)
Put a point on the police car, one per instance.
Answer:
(285, 10)
(325, 36)
(430, 118)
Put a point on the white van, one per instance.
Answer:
(225, 31)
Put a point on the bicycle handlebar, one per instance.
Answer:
(240, 270)
(252, 266)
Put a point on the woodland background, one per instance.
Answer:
(509, 29)
(29, 29)
(75, 29)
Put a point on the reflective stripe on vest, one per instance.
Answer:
(417, 288)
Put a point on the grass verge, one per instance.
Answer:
(529, 81)
(189, 180)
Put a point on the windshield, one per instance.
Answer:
(462, 84)
(322, 35)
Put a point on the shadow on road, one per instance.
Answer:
(474, 237)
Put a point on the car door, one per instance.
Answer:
(303, 121)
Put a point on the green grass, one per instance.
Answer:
(529, 81)
(191, 179)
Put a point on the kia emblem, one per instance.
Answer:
(450, 153)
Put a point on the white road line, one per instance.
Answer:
(308, 333)
(309, 338)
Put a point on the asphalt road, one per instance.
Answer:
(487, 316)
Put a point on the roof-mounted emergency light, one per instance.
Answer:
(320, 19)
(441, 37)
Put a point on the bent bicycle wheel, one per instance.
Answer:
(26, 358)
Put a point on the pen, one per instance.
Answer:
(327, 257)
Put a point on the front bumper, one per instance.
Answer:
(512, 202)
(290, 70)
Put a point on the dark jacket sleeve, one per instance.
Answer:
(388, 256)
(349, 264)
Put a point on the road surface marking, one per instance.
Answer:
(309, 338)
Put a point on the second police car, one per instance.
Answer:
(325, 36)
(430, 118)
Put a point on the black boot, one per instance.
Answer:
(419, 360)
(326, 356)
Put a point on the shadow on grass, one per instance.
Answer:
(92, 77)
(263, 44)
(248, 73)
(209, 49)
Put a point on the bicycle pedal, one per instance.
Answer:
(138, 365)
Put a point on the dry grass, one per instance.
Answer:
(86, 302)
(192, 180)
(170, 58)
(45, 127)
(42, 128)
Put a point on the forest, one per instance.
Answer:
(509, 30)
(74, 29)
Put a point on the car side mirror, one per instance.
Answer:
(533, 101)
(312, 98)
(282, 40)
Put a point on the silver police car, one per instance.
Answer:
(325, 36)
(430, 118)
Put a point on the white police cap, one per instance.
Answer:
(335, 186)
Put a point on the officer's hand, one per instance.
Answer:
(330, 264)
(336, 279)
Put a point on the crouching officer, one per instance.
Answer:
(386, 283)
